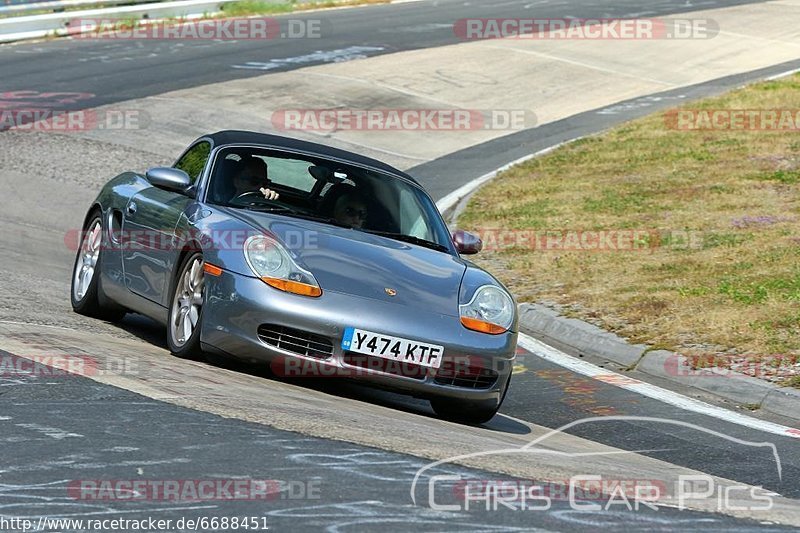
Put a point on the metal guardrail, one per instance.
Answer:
(61, 5)
(15, 2)
(37, 26)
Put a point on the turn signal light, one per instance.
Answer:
(294, 287)
(482, 326)
(214, 270)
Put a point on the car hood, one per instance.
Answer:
(365, 265)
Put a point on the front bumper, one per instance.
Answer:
(237, 306)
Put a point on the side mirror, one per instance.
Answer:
(171, 179)
(467, 243)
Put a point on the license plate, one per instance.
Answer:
(392, 348)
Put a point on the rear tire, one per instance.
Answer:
(85, 290)
(186, 308)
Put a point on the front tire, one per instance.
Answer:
(85, 290)
(186, 308)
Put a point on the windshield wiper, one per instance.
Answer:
(411, 239)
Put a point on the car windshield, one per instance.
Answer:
(327, 191)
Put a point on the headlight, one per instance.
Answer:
(272, 263)
(491, 310)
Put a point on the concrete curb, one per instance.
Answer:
(574, 335)
(578, 337)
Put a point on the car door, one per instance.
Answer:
(149, 223)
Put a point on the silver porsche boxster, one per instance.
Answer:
(309, 259)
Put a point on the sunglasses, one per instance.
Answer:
(353, 212)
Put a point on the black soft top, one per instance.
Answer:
(222, 138)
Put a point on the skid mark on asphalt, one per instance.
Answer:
(320, 56)
(579, 393)
(552, 394)
(585, 368)
(54, 433)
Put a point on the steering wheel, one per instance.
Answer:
(244, 195)
(240, 200)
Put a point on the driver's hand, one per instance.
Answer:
(269, 194)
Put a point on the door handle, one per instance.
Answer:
(132, 208)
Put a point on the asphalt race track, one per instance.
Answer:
(337, 456)
(109, 70)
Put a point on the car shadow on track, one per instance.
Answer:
(153, 333)
(352, 390)
(144, 328)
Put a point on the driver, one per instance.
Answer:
(252, 177)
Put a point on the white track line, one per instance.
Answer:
(578, 366)
(783, 74)
(452, 199)
(585, 368)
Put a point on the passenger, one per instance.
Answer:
(351, 209)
